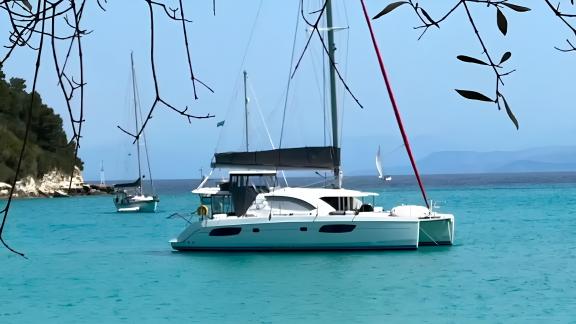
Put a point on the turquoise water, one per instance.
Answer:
(514, 261)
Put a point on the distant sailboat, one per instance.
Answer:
(379, 167)
(130, 197)
(102, 181)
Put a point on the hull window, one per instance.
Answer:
(337, 228)
(303, 229)
(256, 230)
(225, 231)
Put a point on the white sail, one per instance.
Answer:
(379, 167)
(379, 163)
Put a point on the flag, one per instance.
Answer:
(221, 123)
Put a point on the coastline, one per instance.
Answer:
(55, 184)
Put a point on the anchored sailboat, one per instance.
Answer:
(251, 212)
(130, 197)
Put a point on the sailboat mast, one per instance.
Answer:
(246, 108)
(333, 103)
(136, 119)
(102, 181)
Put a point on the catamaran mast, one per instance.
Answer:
(333, 104)
(394, 105)
(246, 108)
(136, 119)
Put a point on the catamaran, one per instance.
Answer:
(251, 211)
(130, 197)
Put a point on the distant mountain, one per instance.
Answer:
(545, 159)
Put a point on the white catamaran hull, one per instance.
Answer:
(437, 230)
(300, 233)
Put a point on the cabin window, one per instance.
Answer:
(225, 231)
(222, 204)
(205, 200)
(261, 183)
(343, 203)
(288, 204)
(337, 228)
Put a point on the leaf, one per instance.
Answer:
(505, 57)
(389, 8)
(429, 18)
(510, 114)
(502, 22)
(516, 7)
(473, 95)
(27, 4)
(469, 59)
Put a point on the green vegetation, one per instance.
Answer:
(47, 148)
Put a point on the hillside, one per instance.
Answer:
(48, 148)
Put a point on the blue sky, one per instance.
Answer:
(423, 73)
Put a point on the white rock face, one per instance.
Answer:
(26, 187)
(50, 182)
(56, 180)
(4, 189)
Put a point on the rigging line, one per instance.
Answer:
(345, 71)
(265, 125)
(323, 63)
(314, 69)
(394, 149)
(289, 74)
(144, 138)
(394, 105)
(233, 97)
(324, 96)
(251, 35)
(136, 120)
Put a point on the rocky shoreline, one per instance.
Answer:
(53, 184)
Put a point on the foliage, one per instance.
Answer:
(48, 147)
(490, 58)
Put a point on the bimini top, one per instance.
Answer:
(298, 158)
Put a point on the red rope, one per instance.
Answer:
(394, 105)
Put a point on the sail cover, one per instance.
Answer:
(128, 185)
(317, 158)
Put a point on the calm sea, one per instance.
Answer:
(514, 262)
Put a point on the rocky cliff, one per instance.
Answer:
(53, 183)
